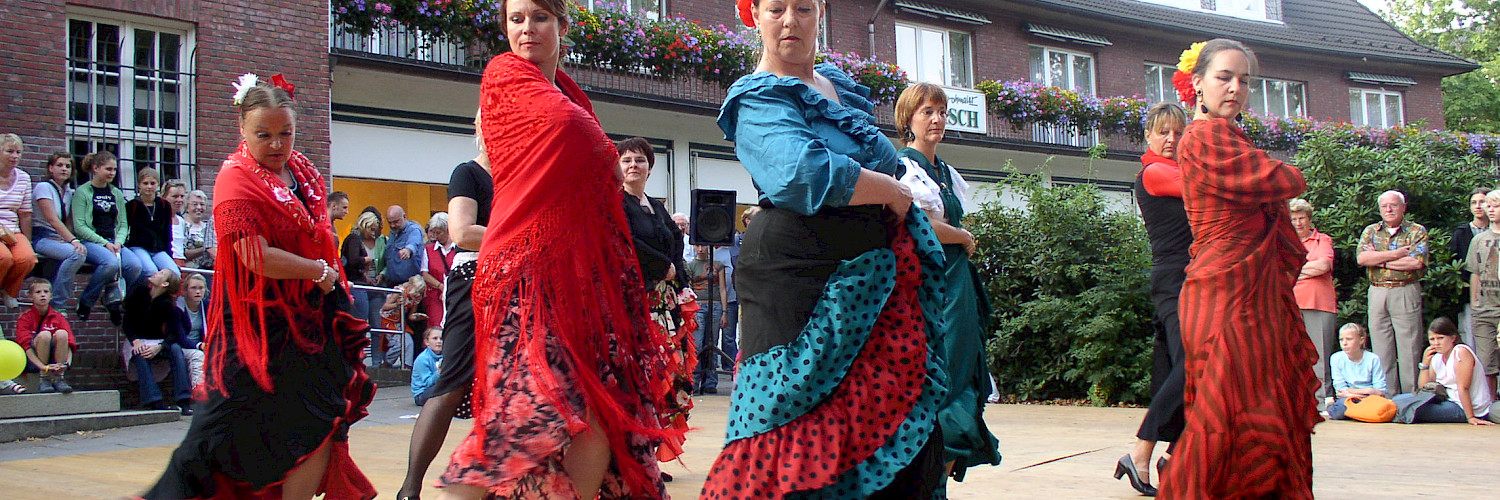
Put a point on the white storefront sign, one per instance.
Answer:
(966, 111)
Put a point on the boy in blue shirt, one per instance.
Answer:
(424, 371)
(1357, 373)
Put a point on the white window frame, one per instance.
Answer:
(948, 63)
(1264, 107)
(1059, 134)
(1162, 73)
(1244, 9)
(654, 15)
(1385, 95)
(124, 137)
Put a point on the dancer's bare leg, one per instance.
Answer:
(302, 482)
(427, 439)
(1140, 454)
(587, 459)
(461, 492)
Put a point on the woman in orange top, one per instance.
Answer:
(1249, 407)
(1315, 295)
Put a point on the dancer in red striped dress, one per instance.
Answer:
(1249, 399)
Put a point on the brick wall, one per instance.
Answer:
(33, 37)
(233, 37)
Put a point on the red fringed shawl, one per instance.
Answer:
(557, 243)
(251, 202)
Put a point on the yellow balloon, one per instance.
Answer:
(12, 360)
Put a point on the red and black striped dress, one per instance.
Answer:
(1250, 406)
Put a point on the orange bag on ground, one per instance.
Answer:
(1373, 409)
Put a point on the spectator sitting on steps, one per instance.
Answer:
(47, 338)
(151, 325)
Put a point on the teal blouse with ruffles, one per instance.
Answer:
(802, 149)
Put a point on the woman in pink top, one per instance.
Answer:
(1315, 295)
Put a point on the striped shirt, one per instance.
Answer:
(15, 201)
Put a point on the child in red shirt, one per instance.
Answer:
(47, 338)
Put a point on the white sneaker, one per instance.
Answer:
(10, 302)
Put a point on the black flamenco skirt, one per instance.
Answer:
(785, 261)
(241, 444)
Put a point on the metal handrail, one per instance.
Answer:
(369, 349)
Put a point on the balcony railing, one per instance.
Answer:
(636, 82)
(401, 43)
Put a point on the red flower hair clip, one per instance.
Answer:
(746, 15)
(280, 82)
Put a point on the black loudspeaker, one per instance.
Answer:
(712, 218)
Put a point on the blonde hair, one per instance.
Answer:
(8, 140)
(1492, 197)
(1356, 327)
(1297, 205)
(144, 172)
(1165, 111)
(366, 221)
(912, 99)
(265, 96)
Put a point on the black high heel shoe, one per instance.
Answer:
(1126, 467)
(1161, 464)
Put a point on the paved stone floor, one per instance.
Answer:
(1051, 452)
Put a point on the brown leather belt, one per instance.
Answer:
(1392, 284)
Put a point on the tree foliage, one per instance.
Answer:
(1068, 282)
(1343, 184)
(1466, 28)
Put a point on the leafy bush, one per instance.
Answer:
(1344, 182)
(1069, 283)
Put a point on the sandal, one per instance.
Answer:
(11, 387)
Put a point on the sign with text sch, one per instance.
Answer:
(966, 111)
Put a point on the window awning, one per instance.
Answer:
(1067, 35)
(941, 12)
(1382, 80)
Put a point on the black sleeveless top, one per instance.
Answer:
(1166, 226)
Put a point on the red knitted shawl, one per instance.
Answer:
(251, 202)
(557, 244)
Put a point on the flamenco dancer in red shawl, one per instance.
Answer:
(284, 379)
(1250, 408)
(564, 356)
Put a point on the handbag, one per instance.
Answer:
(1439, 391)
(1372, 409)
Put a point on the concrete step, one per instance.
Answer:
(15, 429)
(40, 405)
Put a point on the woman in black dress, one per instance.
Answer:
(659, 247)
(470, 194)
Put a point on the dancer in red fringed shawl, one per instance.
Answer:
(284, 379)
(1249, 399)
(564, 356)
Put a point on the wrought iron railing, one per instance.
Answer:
(401, 43)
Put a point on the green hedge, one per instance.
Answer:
(1069, 285)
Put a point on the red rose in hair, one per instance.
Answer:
(746, 16)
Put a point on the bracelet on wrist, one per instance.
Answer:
(1424, 366)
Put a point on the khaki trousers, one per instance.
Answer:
(1323, 329)
(1397, 334)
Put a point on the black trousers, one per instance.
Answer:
(1164, 421)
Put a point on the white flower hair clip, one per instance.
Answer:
(246, 82)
